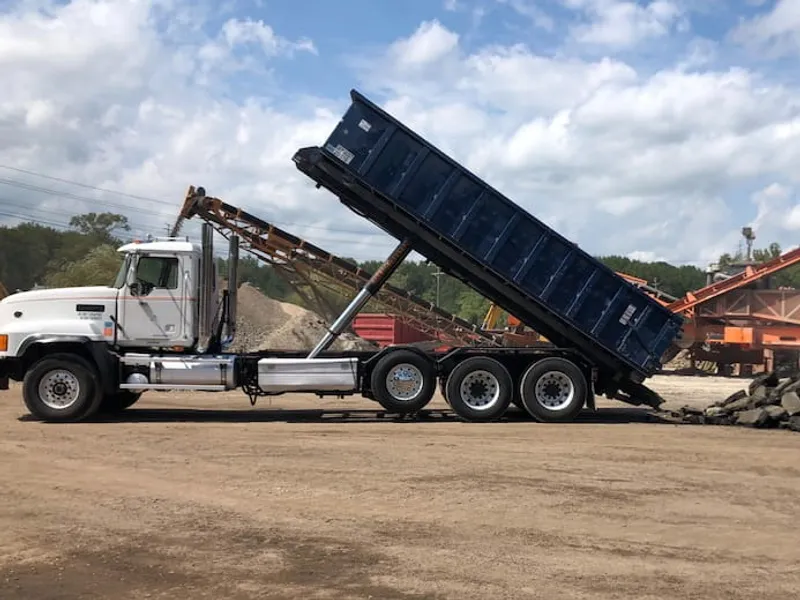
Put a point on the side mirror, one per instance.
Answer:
(130, 279)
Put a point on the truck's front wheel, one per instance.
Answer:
(61, 387)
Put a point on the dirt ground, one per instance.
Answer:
(201, 496)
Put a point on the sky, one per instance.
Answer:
(654, 130)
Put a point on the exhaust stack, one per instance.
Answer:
(205, 309)
(233, 287)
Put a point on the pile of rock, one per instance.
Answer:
(266, 324)
(767, 402)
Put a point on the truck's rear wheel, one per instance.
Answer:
(479, 389)
(119, 401)
(61, 387)
(403, 381)
(553, 389)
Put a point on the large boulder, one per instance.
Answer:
(732, 398)
(791, 402)
(740, 404)
(776, 413)
(768, 380)
(757, 417)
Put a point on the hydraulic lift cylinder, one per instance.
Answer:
(375, 283)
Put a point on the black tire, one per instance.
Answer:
(119, 401)
(484, 380)
(389, 393)
(54, 377)
(565, 382)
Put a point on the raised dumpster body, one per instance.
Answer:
(393, 177)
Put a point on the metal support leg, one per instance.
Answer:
(375, 283)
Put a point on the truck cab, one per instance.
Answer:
(69, 346)
(152, 303)
(157, 294)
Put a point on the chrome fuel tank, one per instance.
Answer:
(214, 373)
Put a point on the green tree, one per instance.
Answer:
(472, 306)
(100, 225)
(99, 267)
(666, 277)
(25, 253)
(789, 277)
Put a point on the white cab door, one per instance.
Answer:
(155, 309)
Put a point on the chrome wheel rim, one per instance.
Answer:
(554, 390)
(59, 389)
(404, 382)
(480, 390)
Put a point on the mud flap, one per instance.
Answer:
(638, 394)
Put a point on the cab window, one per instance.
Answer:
(159, 272)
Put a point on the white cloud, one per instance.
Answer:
(778, 211)
(624, 23)
(776, 31)
(531, 10)
(430, 43)
(237, 31)
(625, 161)
(138, 98)
(134, 96)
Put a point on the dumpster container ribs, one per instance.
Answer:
(390, 175)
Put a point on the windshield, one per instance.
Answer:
(119, 280)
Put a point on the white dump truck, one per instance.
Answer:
(164, 325)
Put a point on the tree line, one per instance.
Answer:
(35, 255)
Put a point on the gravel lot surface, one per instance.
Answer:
(201, 496)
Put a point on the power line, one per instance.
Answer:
(140, 210)
(144, 231)
(79, 184)
(65, 194)
(28, 215)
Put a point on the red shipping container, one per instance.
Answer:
(385, 330)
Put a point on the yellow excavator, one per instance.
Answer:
(515, 333)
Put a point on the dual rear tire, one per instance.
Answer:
(552, 389)
(480, 388)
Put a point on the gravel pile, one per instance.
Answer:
(767, 402)
(266, 324)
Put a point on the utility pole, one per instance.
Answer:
(438, 274)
